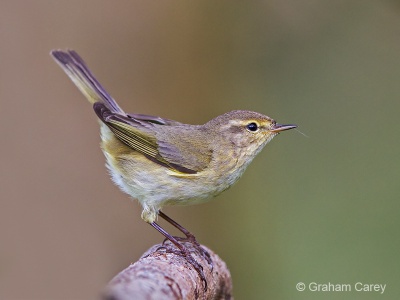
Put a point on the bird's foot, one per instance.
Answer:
(192, 239)
(184, 252)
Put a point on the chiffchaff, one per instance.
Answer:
(163, 162)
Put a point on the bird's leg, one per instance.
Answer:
(189, 237)
(186, 232)
(183, 251)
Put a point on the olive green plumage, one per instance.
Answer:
(164, 162)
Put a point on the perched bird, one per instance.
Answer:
(162, 162)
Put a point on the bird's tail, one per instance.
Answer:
(74, 66)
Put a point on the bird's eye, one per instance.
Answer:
(252, 127)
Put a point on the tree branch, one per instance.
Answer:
(163, 273)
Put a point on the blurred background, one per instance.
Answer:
(317, 208)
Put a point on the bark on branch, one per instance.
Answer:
(162, 273)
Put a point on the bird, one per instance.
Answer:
(162, 162)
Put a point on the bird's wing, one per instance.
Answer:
(153, 119)
(188, 147)
(140, 135)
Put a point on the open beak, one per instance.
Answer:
(281, 127)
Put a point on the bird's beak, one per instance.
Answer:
(281, 127)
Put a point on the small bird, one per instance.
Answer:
(161, 162)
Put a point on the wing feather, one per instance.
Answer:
(138, 136)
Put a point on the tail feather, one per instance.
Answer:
(74, 66)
